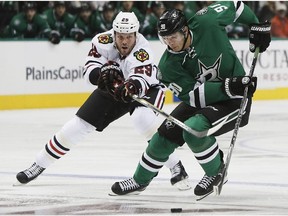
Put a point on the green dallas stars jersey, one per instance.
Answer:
(63, 25)
(20, 27)
(195, 75)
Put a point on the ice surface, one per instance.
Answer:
(79, 183)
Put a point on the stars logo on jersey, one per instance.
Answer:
(209, 73)
(141, 55)
(105, 38)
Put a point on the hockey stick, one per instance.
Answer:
(218, 188)
(178, 122)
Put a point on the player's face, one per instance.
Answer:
(109, 15)
(174, 41)
(125, 42)
(60, 10)
(30, 13)
(85, 15)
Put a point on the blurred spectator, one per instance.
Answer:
(97, 5)
(83, 25)
(149, 27)
(8, 9)
(99, 16)
(74, 7)
(143, 6)
(27, 24)
(267, 12)
(279, 23)
(237, 30)
(103, 21)
(59, 19)
(183, 6)
(42, 6)
(188, 7)
(128, 6)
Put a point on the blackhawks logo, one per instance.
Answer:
(141, 55)
(105, 38)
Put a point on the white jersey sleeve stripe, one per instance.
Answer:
(239, 7)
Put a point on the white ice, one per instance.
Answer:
(79, 183)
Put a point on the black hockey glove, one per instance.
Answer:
(259, 36)
(124, 91)
(234, 86)
(79, 35)
(110, 77)
(54, 37)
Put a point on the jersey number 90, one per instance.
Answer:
(176, 89)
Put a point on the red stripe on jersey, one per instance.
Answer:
(55, 149)
(160, 101)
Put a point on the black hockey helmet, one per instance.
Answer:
(59, 3)
(29, 5)
(108, 6)
(84, 6)
(171, 21)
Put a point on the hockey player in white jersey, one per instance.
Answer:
(120, 63)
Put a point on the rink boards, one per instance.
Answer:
(38, 74)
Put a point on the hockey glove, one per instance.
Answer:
(234, 86)
(124, 91)
(259, 36)
(110, 77)
(54, 37)
(79, 35)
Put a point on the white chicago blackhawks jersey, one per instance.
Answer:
(139, 64)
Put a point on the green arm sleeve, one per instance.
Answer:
(247, 16)
(214, 93)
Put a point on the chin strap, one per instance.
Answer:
(185, 38)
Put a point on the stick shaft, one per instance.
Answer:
(178, 122)
(237, 125)
(241, 111)
(168, 117)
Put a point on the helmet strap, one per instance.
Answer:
(185, 37)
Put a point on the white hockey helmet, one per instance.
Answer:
(126, 22)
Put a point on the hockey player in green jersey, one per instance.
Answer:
(201, 68)
(28, 24)
(83, 24)
(60, 21)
